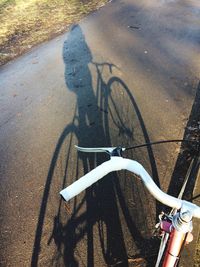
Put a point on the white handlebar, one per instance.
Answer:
(118, 163)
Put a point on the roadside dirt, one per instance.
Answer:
(25, 24)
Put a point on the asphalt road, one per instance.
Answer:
(125, 75)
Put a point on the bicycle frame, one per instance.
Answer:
(173, 249)
(179, 233)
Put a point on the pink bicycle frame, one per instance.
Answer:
(174, 247)
(179, 233)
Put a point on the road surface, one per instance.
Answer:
(125, 75)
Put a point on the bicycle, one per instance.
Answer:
(176, 227)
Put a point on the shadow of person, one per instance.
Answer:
(100, 200)
(101, 229)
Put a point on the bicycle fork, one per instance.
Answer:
(180, 233)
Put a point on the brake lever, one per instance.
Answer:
(112, 151)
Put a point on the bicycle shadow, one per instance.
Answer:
(102, 229)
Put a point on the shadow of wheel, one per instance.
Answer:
(137, 208)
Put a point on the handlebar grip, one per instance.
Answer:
(90, 178)
(118, 163)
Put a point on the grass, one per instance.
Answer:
(25, 23)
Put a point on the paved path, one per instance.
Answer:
(126, 74)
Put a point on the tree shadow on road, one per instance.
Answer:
(110, 224)
(188, 152)
(187, 165)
